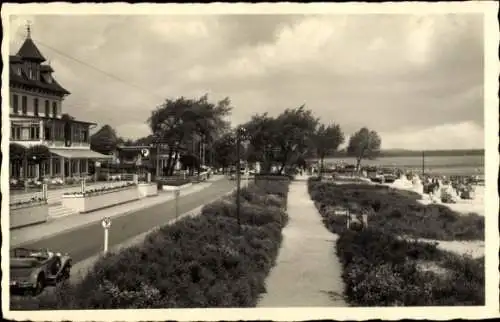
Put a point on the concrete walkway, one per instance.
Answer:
(307, 272)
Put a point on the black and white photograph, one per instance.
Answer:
(286, 161)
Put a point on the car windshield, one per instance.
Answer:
(30, 253)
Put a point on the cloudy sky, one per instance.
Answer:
(417, 80)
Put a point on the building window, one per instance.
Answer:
(47, 133)
(30, 73)
(16, 133)
(54, 109)
(47, 108)
(15, 103)
(25, 132)
(35, 106)
(34, 133)
(24, 105)
(85, 135)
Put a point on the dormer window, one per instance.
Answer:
(49, 79)
(31, 75)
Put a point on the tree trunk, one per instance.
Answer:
(169, 160)
(358, 163)
(283, 162)
(321, 165)
(176, 157)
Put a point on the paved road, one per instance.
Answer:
(87, 241)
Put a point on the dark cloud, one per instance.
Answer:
(389, 72)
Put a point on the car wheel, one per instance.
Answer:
(40, 285)
(66, 272)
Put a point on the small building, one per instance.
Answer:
(37, 119)
(144, 156)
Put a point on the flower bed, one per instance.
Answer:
(382, 269)
(172, 183)
(98, 198)
(197, 262)
(147, 189)
(28, 212)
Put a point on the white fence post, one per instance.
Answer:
(83, 186)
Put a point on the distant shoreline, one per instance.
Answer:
(413, 153)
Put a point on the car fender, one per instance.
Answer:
(65, 261)
(34, 275)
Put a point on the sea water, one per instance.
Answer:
(442, 165)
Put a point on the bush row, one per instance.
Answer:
(202, 261)
(394, 211)
(380, 268)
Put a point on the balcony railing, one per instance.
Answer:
(52, 144)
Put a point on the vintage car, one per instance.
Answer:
(32, 270)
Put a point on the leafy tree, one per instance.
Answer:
(67, 117)
(105, 140)
(190, 162)
(225, 151)
(327, 140)
(262, 136)
(294, 133)
(147, 140)
(182, 121)
(281, 140)
(17, 155)
(364, 144)
(17, 152)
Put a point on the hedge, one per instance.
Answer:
(381, 270)
(197, 262)
(381, 267)
(394, 211)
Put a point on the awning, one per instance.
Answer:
(79, 154)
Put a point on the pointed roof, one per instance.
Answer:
(29, 51)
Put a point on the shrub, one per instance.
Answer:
(200, 261)
(381, 270)
(395, 211)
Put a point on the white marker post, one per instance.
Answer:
(45, 192)
(177, 193)
(106, 224)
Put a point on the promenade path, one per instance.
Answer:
(307, 272)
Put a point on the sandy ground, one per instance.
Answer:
(473, 248)
(475, 205)
(307, 272)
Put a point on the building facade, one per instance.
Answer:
(37, 119)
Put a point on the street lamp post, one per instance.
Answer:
(238, 178)
(240, 134)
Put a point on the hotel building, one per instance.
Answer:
(36, 118)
